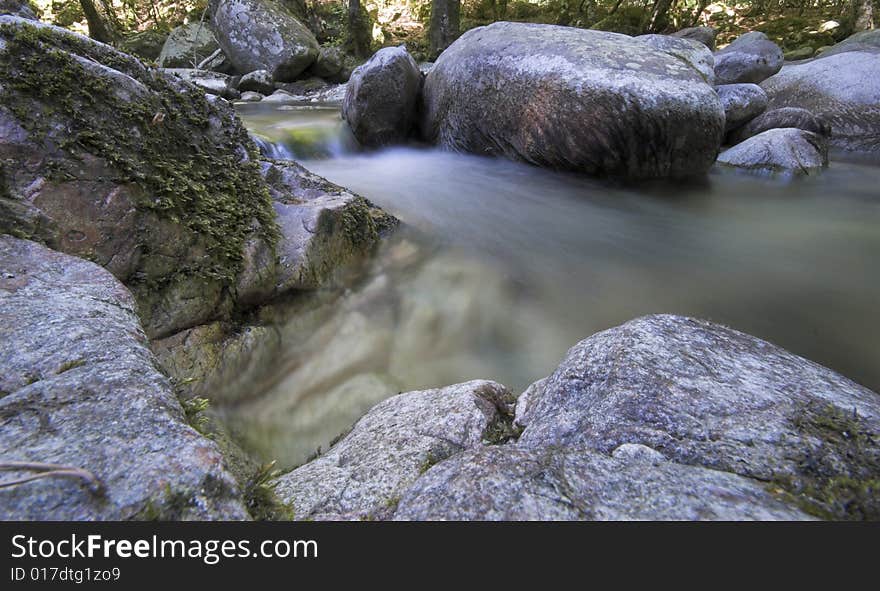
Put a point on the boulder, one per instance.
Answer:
(842, 89)
(801, 53)
(566, 98)
(787, 150)
(752, 57)
(19, 8)
(741, 102)
(382, 97)
(779, 118)
(333, 64)
(249, 96)
(211, 82)
(704, 35)
(365, 474)
(863, 41)
(323, 226)
(689, 50)
(263, 35)
(146, 45)
(84, 409)
(664, 417)
(135, 169)
(187, 46)
(257, 81)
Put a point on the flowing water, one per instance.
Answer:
(505, 266)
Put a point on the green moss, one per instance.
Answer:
(68, 365)
(430, 460)
(194, 410)
(260, 498)
(839, 478)
(166, 141)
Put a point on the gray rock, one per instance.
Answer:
(752, 57)
(705, 35)
(365, 474)
(145, 44)
(801, 53)
(257, 81)
(689, 50)
(786, 150)
(263, 35)
(868, 41)
(281, 96)
(140, 172)
(79, 388)
(333, 64)
(19, 8)
(779, 118)
(567, 98)
(382, 97)
(842, 89)
(187, 46)
(323, 226)
(742, 103)
(636, 483)
(217, 62)
(211, 82)
(251, 97)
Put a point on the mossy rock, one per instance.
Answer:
(140, 172)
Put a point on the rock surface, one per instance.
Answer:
(79, 388)
(211, 82)
(333, 65)
(19, 8)
(187, 46)
(566, 98)
(663, 417)
(842, 89)
(263, 35)
(752, 57)
(779, 118)
(257, 81)
(742, 103)
(689, 50)
(705, 35)
(787, 150)
(382, 96)
(863, 41)
(134, 169)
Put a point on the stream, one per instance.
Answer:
(503, 267)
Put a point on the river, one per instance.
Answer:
(505, 266)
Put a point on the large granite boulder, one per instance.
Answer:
(83, 408)
(752, 58)
(187, 46)
(134, 169)
(742, 103)
(382, 97)
(843, 89)
(263, 35)
(786, 150)
(664, 417)
(573, 99)
(780, 118)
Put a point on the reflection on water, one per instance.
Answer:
(509, 265)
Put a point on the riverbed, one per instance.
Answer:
(501, 267)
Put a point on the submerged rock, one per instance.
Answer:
(132, 168)
(742, 103)
(567, 98)
(780, 118)
(663, 417)
(752, 57)
(187, 46)
(787, 150)
(263, 35)
(842, 89)
(382, 97)
(79, 388)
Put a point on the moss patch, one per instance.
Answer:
(838, 479)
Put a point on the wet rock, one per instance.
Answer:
(705, 35)
(787, 150)
(263, 35)
(79, 388)
(842, 89)
(257, 81)
(132, 168)
(211, 82)
(187, 46)
(382, 96)
(752, 57)
(583, 100)
(742, 103)
(780, 118)
(388, 449)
